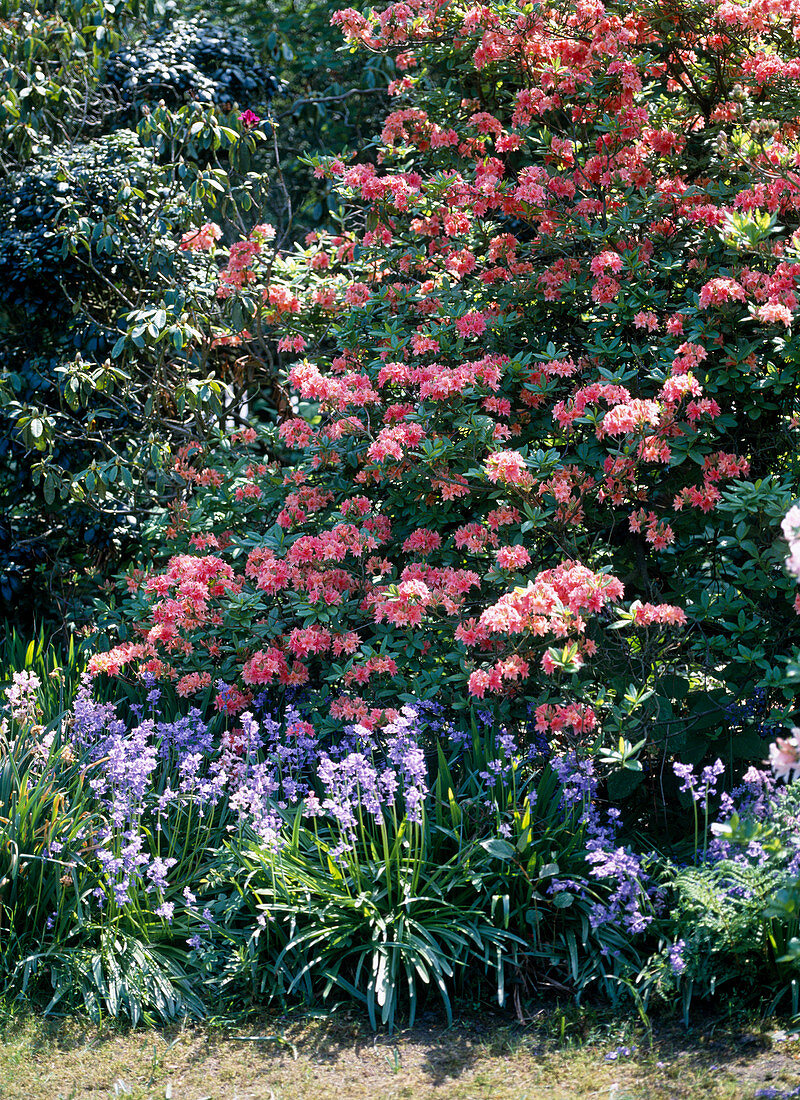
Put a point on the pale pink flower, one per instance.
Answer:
(773, 313)
(21, 697)
(784, 756)
(512, 557)
(790, 526)
(646, 319)
(508, 467)
(717, 292)
(202, 239)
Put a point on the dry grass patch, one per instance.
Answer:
(558, 1056)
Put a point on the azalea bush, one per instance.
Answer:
(207, 609)
(538, 412)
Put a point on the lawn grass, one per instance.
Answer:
(559, 1054)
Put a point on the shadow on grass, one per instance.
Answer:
(559, 1052)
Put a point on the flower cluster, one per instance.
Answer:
(784, 752)
(628, 900)
(202, 239)
(519, 363)
(784, 756)
(146, 776)
(21, 698)
(703, 787)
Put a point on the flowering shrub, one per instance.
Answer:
(532, 421)
(535, 366)
(327, 616)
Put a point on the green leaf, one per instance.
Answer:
(623, 782)
(499, 848)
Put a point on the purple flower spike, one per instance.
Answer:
(686, 773)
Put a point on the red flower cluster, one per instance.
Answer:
(531, 360)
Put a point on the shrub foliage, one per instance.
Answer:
(548, 358)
